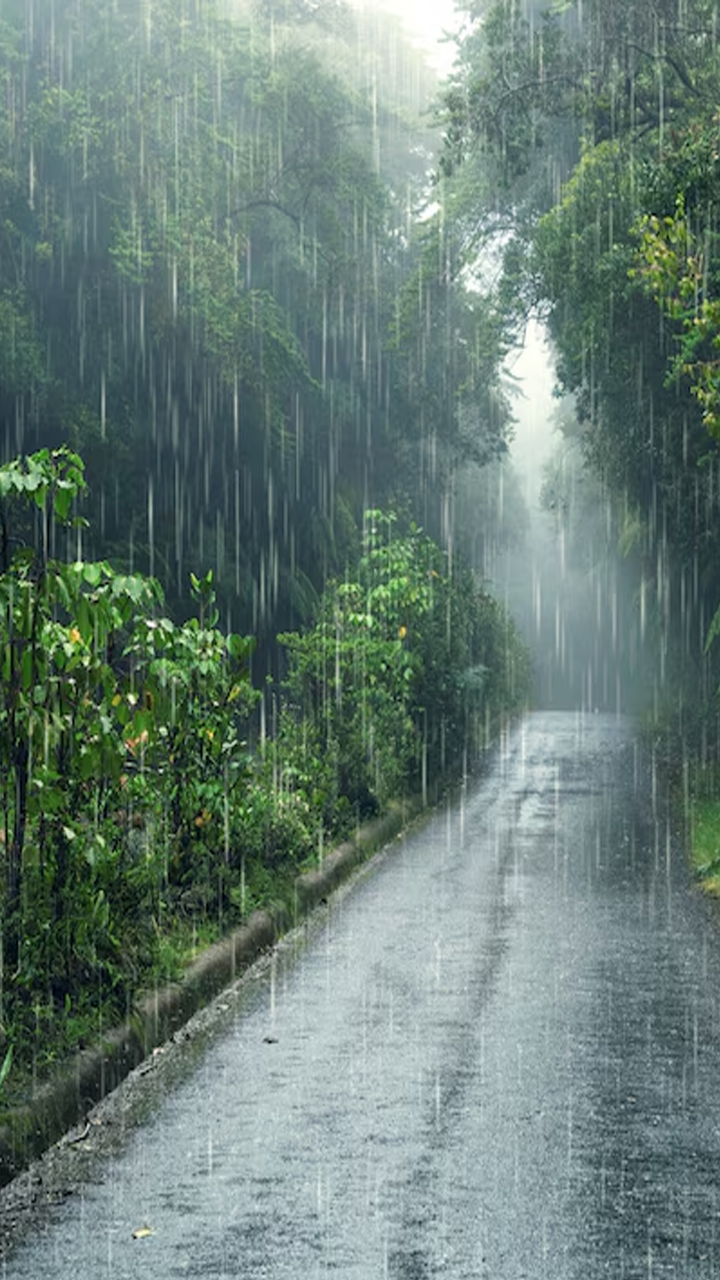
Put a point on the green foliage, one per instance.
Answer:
(60, 743)
(674, 268)
(351, 676)
(214, 282)
(705, 839)
(589, 142)
(448, 342)
(187, 760)
(120, 753)
(131, 803)
(391, 684)
(21, 362)
(582, 253)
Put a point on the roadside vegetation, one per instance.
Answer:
(137, 823)
(705, 837)
(232, 342)
(589, 134)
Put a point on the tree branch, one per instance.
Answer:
(682, 75)
(266, 202)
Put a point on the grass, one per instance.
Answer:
(704, 826)
(45, 1034)
(705, 842)
(48, 1034)
(179, 945)
(693, 778)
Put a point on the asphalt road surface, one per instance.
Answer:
(497, 1057)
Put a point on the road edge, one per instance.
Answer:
(29, 1130)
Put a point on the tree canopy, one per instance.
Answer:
(587, 134)
(217, 282)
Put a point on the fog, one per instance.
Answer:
(566, 584)
(326, 377)
(563, 584)
(426, 23)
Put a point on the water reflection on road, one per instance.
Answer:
(498, 1059)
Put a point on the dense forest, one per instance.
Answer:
(255, 302)
(217, 287)
(584, 138)
(584, 141)
(246, 388)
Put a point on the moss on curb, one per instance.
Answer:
(28, 1130)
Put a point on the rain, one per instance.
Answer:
(359, 617)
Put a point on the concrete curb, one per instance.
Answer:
(27, 1131)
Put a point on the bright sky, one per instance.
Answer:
(425, 21)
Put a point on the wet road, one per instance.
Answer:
(498, 1057)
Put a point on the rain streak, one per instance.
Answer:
(359, 616)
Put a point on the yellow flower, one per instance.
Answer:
(74, 635)
(402, 633)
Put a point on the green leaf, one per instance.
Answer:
(62, 502)
(92, 573)
(239, 647)
(84, 618)
(53, 800)
(122, 713)
(6, 1066)
(26, 670)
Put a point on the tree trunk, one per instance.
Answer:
(11, 946)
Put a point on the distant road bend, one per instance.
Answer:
(497, 1057)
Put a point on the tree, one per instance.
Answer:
(107, 709)
(61, 623)
(594, 121)
(405, 668)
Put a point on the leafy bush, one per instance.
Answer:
(391, 684)
(131, 804)
(120, 752)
